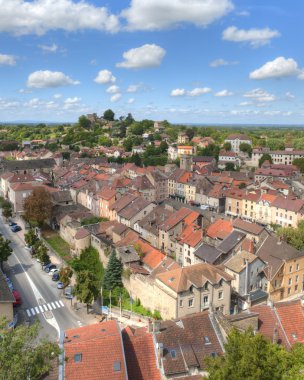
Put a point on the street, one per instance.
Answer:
(40, 297)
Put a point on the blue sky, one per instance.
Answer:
(208, 61)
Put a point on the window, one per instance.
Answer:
(77, 358)
(117, 366)
(289, 281)
(191, 302)
(207, 340)
(290, 268)
(296, 288)
(206, 300)
(180, 303)
(173, 354)
(206, 286)
(298, 266)
(288, 290)
(297, 278)
(220, 295)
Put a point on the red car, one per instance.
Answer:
(17, 296)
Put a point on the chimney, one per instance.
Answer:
(156, 327)
(150, 326)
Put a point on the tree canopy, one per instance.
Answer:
(112, 278)
(108, 115)
(22, 355)
(299, 162)
(38, 206)
(265, 157)
(5, 250)
(86, 288)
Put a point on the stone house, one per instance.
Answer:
(135, 211)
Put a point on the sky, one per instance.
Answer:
(186, 61)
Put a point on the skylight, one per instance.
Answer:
(77, 358)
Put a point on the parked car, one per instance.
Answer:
(49, 267)
(17, 296)
(11, 224)
(16, 228)
(9, 283)
(55, 276)
(68, 292)
(52, 271)
(46, 264)
(60, 285)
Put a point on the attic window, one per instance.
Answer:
(77, 358)
(171, 279)
(75, 336)
(207, 340)
(117, 366)
(213, 354)
(173, 354)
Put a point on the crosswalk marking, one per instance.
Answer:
(43, 308)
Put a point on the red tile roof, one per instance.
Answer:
(82, 233)
(219, 229)
(152, 257)
(100, 346)
(140, 355)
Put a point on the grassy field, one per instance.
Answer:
(58, 244)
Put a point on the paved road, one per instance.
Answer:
(40, 297)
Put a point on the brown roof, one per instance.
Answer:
(107, 193)
(122, 202)
(192, 339)
(82, 233)
(175, 218)
(181, 279)
(101, 350)
(294, 205)
(249, 227)
(140, 355)
(133, 208)
(237, 263)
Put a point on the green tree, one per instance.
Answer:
(84, 122)
(136, 129)
(230, 167)
(86, 288)
(293, 236)
(128, 144)
(38, 206)
(190, 132)
(65, 275)
(5, 250)
(163, 147)
(24, 356)
(108, 115)
(7, 210)
(112, 278)
(88, 260)
(42, 253)
(242, 185)
(227, 146)
(129, 120)
(299, 162)
(246, 148)
(248, 356)
(66, 155)
(135, 158)
(265, 157)
(30, 237)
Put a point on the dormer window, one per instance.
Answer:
(77, 358)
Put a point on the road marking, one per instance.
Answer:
(49, 306)
(41, 309)
(57, 303)
(61, 303)
(28, 313)
(37, 310)
(54, 306)
(32, 311)
(45, 308)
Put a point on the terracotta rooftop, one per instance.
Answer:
(248, 227)
(140, 354)
(95, 352)
(175, 218)
(219, 229)
(82, 233)
(294, 205)
(181, 279)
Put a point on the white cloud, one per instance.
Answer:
(255, 37)
(48, 48)
(22, 17)
(57, 96)
(115, 98)
(222, 62)
(289, 95)
(260, 95)
(6, 59)
(24, 91)
(178, 92)
(199, 91)
(47, 79)
(112, 89)
(71, 103)
(105, 77)
(278, 68)
(134, 87)
(160, 14)
(245, 104)
(243, 13)
(148, 55)
(223, 93)
(131, 101)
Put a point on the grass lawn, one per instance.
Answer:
(58, 244)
